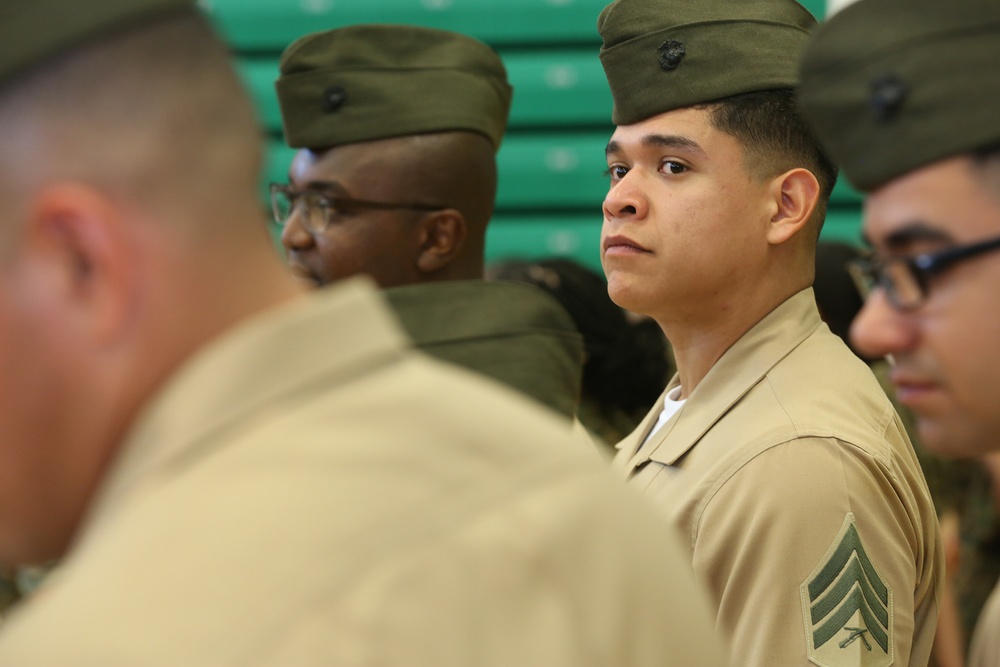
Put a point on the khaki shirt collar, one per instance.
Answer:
(321, 340)
(739, 369)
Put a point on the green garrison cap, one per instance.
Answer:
(661, 55)
(368, 82)
(32, 30)
(893, 85)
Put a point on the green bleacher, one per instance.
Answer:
(551, 164)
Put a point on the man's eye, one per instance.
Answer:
(672, 167)
(317, 200)
(617, 172)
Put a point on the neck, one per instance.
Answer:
(698, 342)
(697, 351)
(257, 281)
(463, 268)
(196, 296)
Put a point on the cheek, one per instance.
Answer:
(969, 349)
(709, 222)
(368, 246)
(27, 407)
(962, 336)
(343, 253)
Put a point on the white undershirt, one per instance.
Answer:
(671, 404)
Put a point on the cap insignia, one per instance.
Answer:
(671, 54)
(888, 94)
(334, 98)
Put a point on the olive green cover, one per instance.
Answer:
(661, 55)
(367, 82)
(893, 85)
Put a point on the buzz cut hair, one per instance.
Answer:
(154, 112)
(986, 162)
(776, 138)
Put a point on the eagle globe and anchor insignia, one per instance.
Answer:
(847, 606)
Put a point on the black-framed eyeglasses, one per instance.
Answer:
(906, 280)
(319, 209)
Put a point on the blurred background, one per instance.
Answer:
(551, 164)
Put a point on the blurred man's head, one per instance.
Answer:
(398, 128)
(128, 169)
(912, 116)
(716, 183)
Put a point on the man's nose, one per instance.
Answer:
(626, 199)
(880, 329)
(294, 235)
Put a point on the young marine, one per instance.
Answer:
(773, 450)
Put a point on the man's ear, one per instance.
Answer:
(795, 195)
(442, 236)
(79, 246)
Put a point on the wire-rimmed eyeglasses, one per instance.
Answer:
(906, 280)
(318, 209)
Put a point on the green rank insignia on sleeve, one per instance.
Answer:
(847, 606)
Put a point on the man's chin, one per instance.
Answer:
(625, 292)
(956, 436)
(308, 283)
(308, 280)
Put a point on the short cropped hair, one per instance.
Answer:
(986, 162)
(776, 138)
(154, 112)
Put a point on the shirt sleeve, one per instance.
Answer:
(818, 554)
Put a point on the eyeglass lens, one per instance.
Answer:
(311, 207)
(904, 286)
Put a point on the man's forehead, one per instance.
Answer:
(382, 168)
(306, 167)
(337, 165)
(684, 129)
(949, 201)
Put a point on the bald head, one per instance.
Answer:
(453, 172)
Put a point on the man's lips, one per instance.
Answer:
(912, 389)
(622, 245)
(305, 274)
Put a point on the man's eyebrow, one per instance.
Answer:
(672, 141)
(660, 141)
(332, 187)
(913, 233)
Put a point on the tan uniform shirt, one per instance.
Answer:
(308, 491)
(789, 474)
(985, 651)
(513, 333)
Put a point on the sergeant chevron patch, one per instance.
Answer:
(847, 606)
